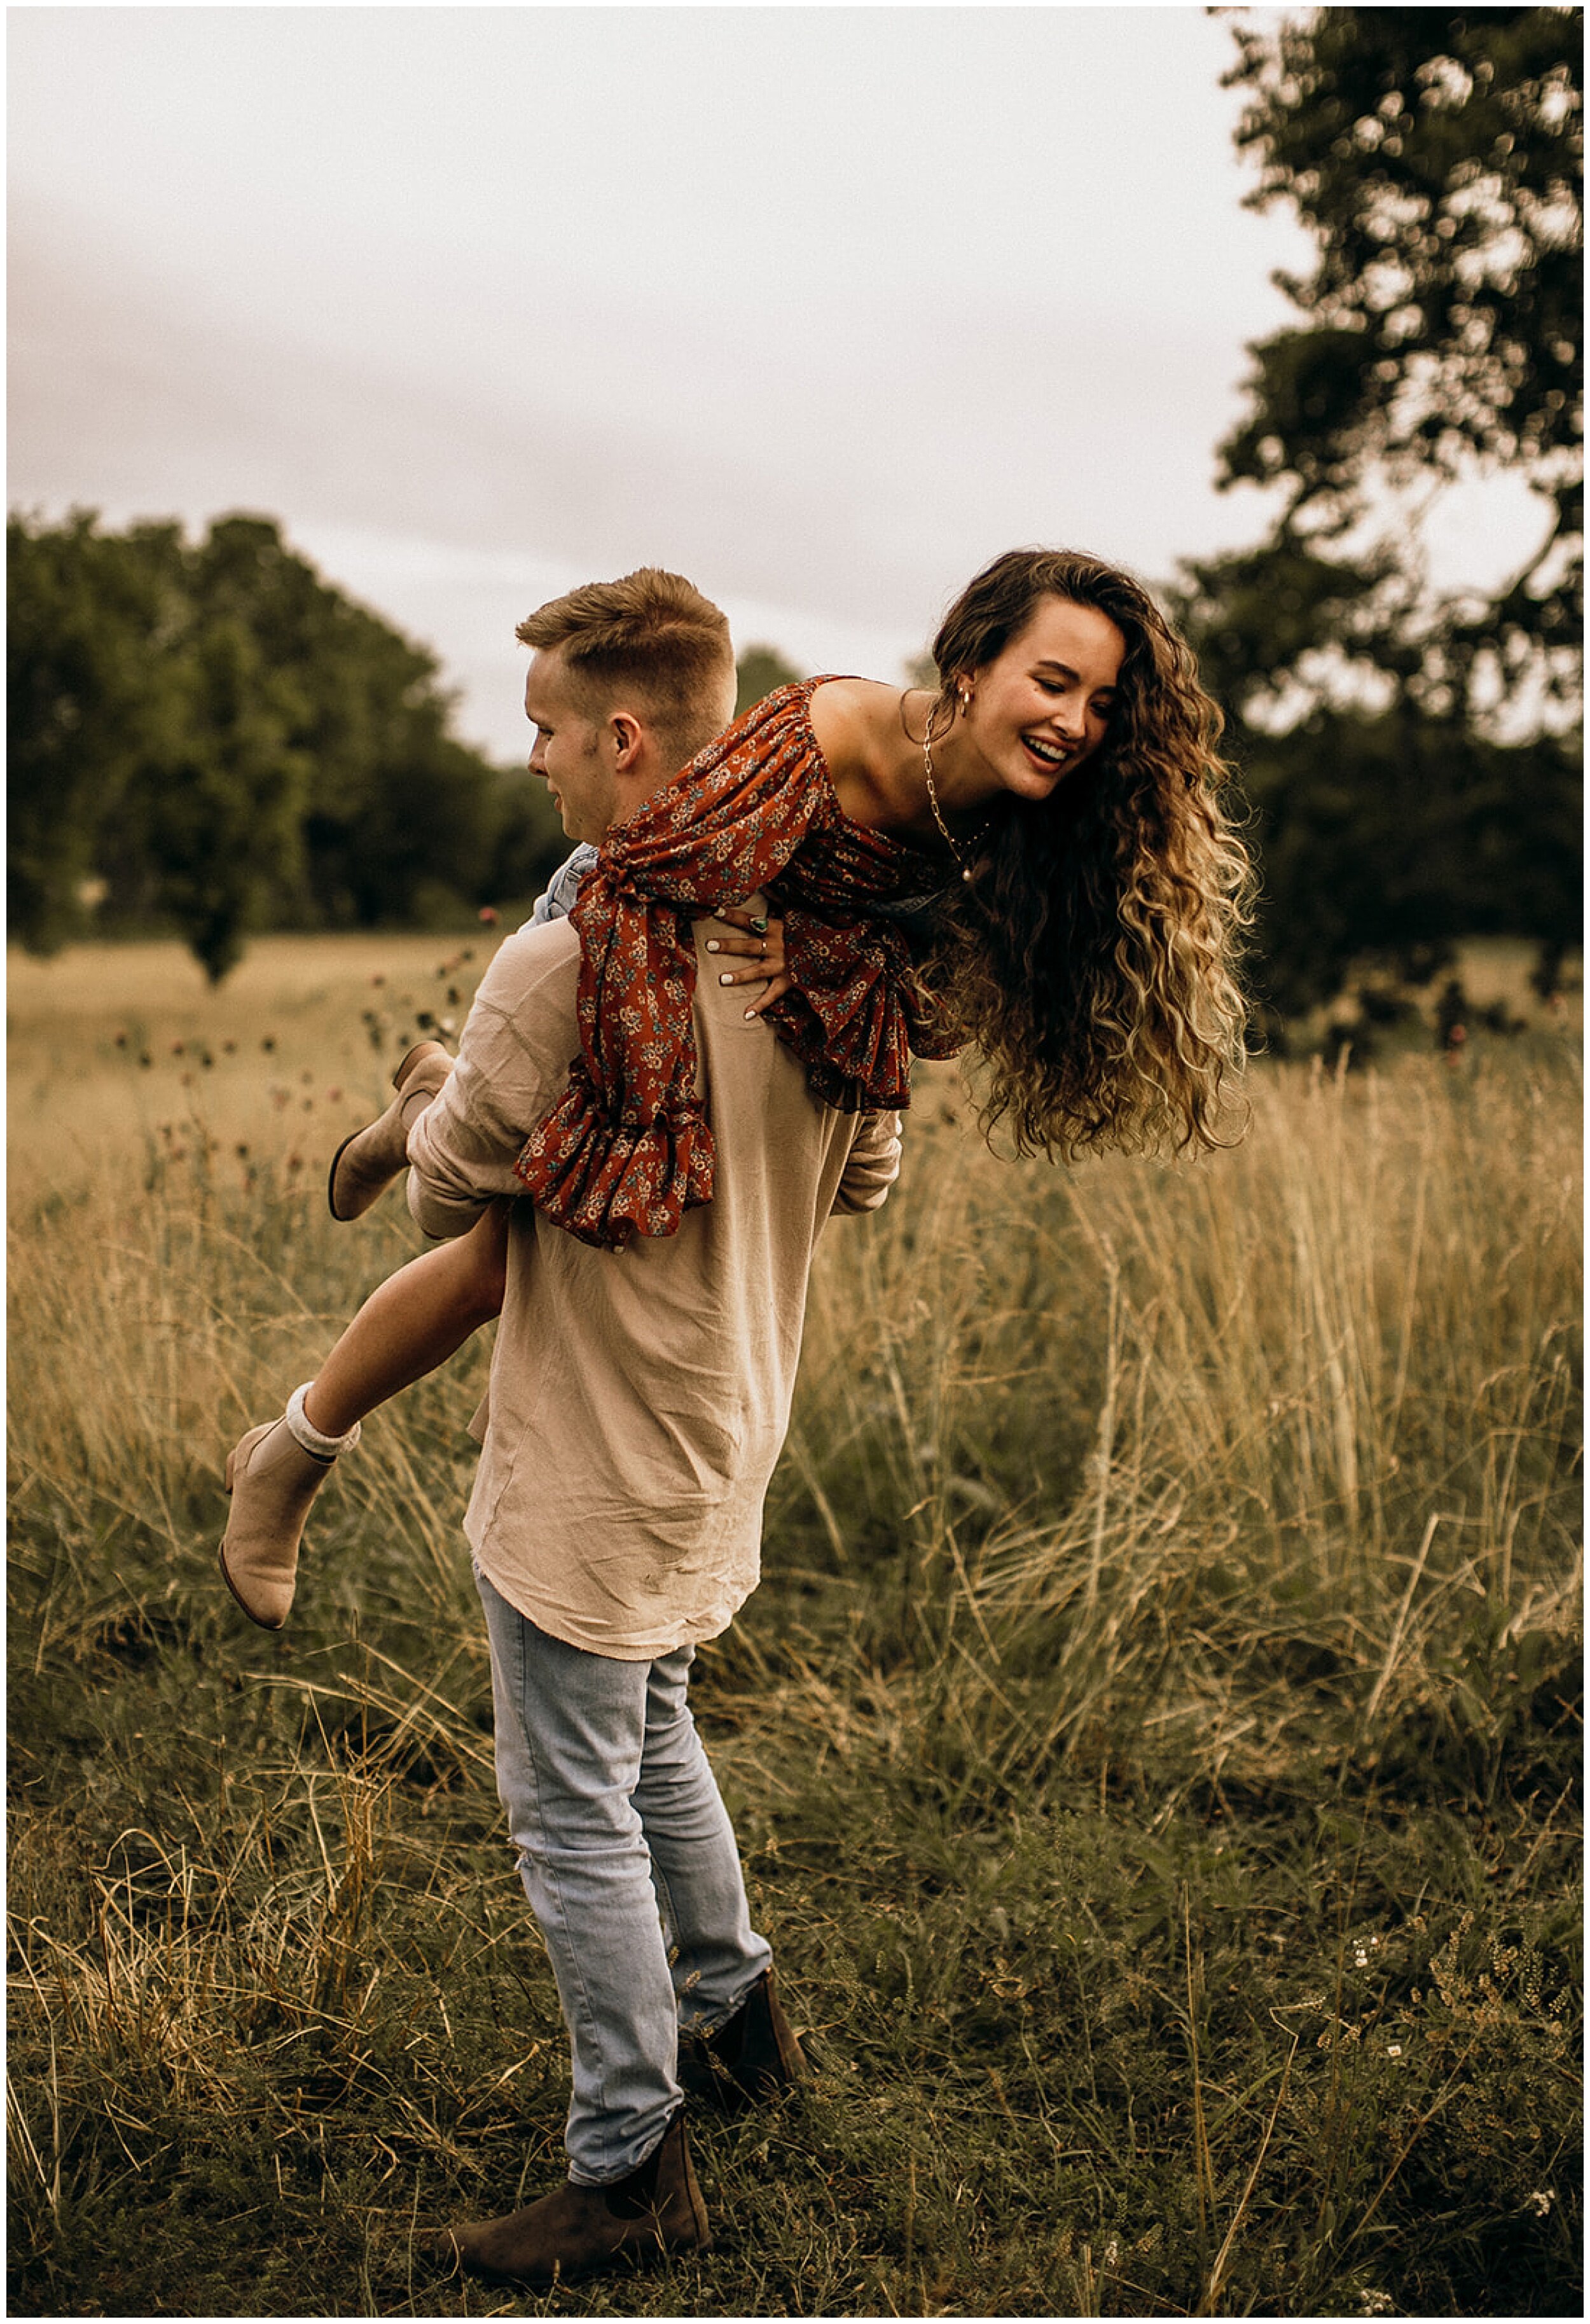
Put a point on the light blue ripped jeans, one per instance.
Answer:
(629, 1860)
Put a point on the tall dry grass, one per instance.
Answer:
(1227, 1461)
(1154, 1742)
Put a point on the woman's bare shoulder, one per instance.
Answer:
(851, 718)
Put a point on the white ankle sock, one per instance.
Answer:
(324, 1448)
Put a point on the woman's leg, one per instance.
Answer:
(411, 1323)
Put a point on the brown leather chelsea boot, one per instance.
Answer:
(578, 2231)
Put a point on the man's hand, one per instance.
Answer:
(762, 944)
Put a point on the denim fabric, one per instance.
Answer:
(558, 897)
(629, 1860)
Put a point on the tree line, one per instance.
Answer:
(209, 738)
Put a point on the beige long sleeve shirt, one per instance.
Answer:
(639, 1398)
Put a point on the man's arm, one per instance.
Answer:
(512, 1068)
(872, 1167)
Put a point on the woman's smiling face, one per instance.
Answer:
(1042, 706)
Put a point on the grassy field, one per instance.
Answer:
(1155, 1744)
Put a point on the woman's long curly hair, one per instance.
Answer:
(1090, 959)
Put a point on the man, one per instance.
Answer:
(638, 1403)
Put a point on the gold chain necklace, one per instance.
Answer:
(933, 793)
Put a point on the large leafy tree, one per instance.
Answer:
(1435, 160)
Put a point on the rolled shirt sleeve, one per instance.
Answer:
(871, 1168)
(512, 1067)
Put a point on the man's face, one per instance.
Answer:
(569, 750)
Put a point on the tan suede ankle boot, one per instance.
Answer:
(272, 1480)
(364, 1165)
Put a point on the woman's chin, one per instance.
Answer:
(1034, 784)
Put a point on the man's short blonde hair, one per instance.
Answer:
(652, 637)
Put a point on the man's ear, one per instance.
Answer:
(627, 736)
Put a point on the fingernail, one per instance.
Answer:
(751, 1012)
(726, 978)
(713, 945)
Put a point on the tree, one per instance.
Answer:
(1435, 158)
(90, 699)
(401, 823)
(759, 671)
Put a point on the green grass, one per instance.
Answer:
(1155, 1744)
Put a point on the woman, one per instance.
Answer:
(1060, 788)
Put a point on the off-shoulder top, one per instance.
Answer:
(628, 1149)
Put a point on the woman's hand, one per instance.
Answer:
(762, 944)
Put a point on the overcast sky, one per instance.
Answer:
(820, 306)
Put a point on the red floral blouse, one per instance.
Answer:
(627, 1150)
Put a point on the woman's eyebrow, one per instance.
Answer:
(1066, 671)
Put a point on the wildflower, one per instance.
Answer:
(176, 1048)
(295, 1161)
(488, 917)
(1393, 2049)
(378, 978)
(230, 1048)
(1541, 2201)
(332, 1096)
(121, 1040)
(269, 1042)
